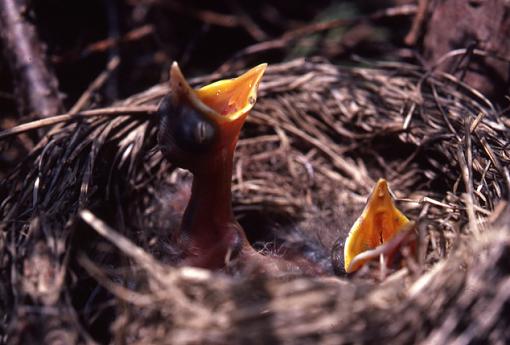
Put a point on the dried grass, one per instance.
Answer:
(315, 142)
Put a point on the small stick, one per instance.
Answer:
(476, 121)
(113, 111)
(402, 10)
(492, 156)
(206, 16)
(87, 94)
(167, 277)
(118, 290)
(417, 26)
(247, 22)
(468, 196)
(95, 85)
(103, 45)
(292, 35)
(124, 244)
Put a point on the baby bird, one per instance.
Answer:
(378, 233)
(198, 131)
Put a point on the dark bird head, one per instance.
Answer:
(199, 127)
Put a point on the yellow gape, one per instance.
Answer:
(379, 223)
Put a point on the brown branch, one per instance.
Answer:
(293, 35)
(403, 10)
(36, 87)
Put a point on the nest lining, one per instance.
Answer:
(318, 138)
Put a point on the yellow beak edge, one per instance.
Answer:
(378, 224)
(227, 100)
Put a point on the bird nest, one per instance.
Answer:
(85, 254)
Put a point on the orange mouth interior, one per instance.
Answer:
(378, 224)
(233, 98)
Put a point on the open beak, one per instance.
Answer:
(377, 225)
(226, 102)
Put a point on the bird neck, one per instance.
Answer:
(208, 223)
(211, 195)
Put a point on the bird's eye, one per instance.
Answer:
(201, 133)
(185, 127)
(193, 132)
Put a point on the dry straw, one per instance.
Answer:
(315, 142)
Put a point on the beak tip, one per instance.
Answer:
(175, 70)
(382, 181)
(262, 66)
(257, 72)
(261, 69)
(382, 186)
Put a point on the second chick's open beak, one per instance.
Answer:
(378, 224)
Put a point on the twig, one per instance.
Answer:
(306, 30)
(476, 121)
(36, 86)
(418, 21)
(111, 88)
(464, 51)
(127, 247)
(206, 16)
(119, 291)
(112, 111)
(168, 278)
(103, 45)
(468, 196)
(247, 22)
(492, 156)
(85, 97)
(404, 10)
(95, 85)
